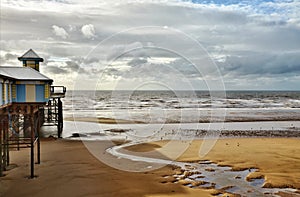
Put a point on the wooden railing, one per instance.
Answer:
(58, 91)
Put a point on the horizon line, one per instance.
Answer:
(258, 90)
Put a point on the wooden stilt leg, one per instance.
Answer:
(38, 141)
(32, 148)
(60, 118)
(7, 145)
(4, 145)
(1, 153)
(17, 129)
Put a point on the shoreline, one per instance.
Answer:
(103, 120)
(153, 132)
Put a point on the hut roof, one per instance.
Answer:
(30, 55)
(22, 73)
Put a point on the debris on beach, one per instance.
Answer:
(117, 130)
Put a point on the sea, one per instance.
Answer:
(152, 115)
(184, 106)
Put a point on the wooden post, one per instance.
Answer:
(7, 144)
(1, 142)
(26, 124)
(49, 111)
(17, 129)
(38, 139)
(32, 144)
(42, 116)
(4, 144)
(60, 118)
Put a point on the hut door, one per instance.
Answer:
(30, 93)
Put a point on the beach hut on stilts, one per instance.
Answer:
(27, 101)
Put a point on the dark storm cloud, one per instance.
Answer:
(67, 67)
(264, 64)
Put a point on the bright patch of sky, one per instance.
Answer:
(230, 2)
(257, 6)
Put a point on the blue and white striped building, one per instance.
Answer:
(24, 84)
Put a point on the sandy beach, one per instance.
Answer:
(68, 168)
(276, 159)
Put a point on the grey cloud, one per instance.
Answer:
(67, 67)
(274, 23)
(90, 60)
(111, 72)
(141, 68)
(179, 15)
(263, 64)
(186, 68)
(56, 70)
(130, 49)
(10, 56)
(137, 61)
(72, 65)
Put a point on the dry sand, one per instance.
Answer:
(68, 169)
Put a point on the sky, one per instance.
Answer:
(157, 44)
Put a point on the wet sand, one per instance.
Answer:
(68, 169)
(277, 159)
(263, 118)
(103, 120)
